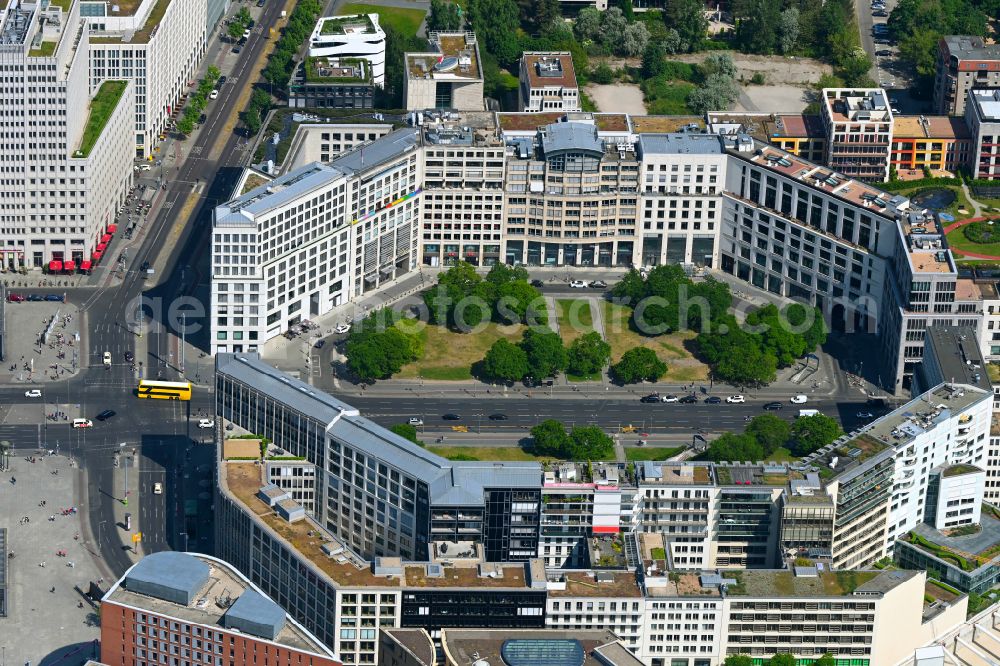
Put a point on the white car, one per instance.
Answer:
(342, 328)
(83, 423)
(206, 423)
(213, 95)
(33, 393)
(157, 488)
(414, 421)
(670, 398)
(799, 399)
(107, 358)
(734, 399)
(578, 284)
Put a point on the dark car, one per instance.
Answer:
(498, 417)
(105, 415)
(260, 3)
(35, 297)
(237, 49)
(319, 344)
(713, 400)
(53, 297)
(452, 417)
(880, 13)
(221, 81)
(202, 118)
(689, 399)
(15, 298)
(537, 284)
(129, 357)
(650, 398)
(865, 415)
(773, 406)
(598, 284)
(883, 53)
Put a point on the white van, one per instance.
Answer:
(83, 423)
(808, 412)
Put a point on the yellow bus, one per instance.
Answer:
(164, 390)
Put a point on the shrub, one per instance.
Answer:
(982, 232)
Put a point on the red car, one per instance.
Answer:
(15, 298)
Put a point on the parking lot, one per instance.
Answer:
(50, 620)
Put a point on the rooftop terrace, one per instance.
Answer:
(456, 59)
(603, 584)
(917, 416)
(359, 24)
(968, 552)
(781, 583)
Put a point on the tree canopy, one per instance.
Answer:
(505, 362)
(463, 299)
(445, 16)
(406, 431)
(588, 354)
(377, 349)
(549, 438)
(813, 432)
(637, 365)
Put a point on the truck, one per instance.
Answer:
(808, 412)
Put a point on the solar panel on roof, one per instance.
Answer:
(542, 652)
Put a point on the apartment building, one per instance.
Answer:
(937, 143)
(449, 77)
(158, 46)
(859, 129)
(322, 142)
(547, 82)
(801, 135)
(308, 241)
(964, 62)
(65, 173)
(337, 41)
(982, 115)
(200, 609)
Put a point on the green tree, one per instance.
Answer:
(719, 63)
(738, 660)
(588, 354)
(717, 93)
(783, 659)
(445, 16)
(788, 30)
(243, 17)
(770, 431)
(495, 23)
(602, 74)
(757, 23)
(825, 660)
(543, 14)
(505, 361)
(687, 17)
(733, 447)
(546, 354)
(185, 125)
(630, 289)
(251, 118)
(625, 6)
(235, 31)
(813, 432)
(212, 73)
(588, 24)
(406, 431)
(747, 365)
(639, 364)
(549, 438)
(654, 61)
(590, 443)
(919, 48)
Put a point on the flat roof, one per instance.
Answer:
(379, 151)
(956, 349)
(571, 136)
(456, 58)
(680, 143)
(416, 641)
(356, 24)
(762, 583)
(275, 194)
(967, 47)
(675, 472)
(853, 104)
(664, 124)
(988, 103)
(549, 69)
(976, 549)
(929, 127)
(620, 584)
(467, 646)
(216, 595)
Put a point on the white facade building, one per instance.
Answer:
(158, 48)
(547, 82)
(357, 36)
(63, 173)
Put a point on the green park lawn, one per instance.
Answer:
(637, 453)
(781, 454)
(960, 199)
(575, 318)
(498, 453)
(449, 355)
(402, 19)
(682, 366)
(960, 244)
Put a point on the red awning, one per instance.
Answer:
(85, 265)
(600, 529)
(97, 255)
(112, 228)
(106, 238)
(101, 247)
(69, 265)
(55, 265)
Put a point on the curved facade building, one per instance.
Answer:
(351, 37)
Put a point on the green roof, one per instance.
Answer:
(334, 25)
(313, 64)
(958, 470)
(152, 22)
(101, 108)
(61, 4)
(778, 583)
(44, 50)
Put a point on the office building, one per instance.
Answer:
(322, 142)
(982, 115)
(547, 82)
(158, 46)
(65, 173)
(199, 609)
(332, 83)
(308, 241)
(963, 62)
(858, 124)
(339, 40)
(936, 143)
(449, 77)
(799, 134)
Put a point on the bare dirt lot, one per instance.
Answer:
(777, 70)
(617, 98)
(772, 99)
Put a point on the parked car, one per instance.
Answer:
(83, 423)
(883, 53)
(221, 81)
(206, 423)
(799, 399)
(414, 421)
(773, 406)
(451, 417)
(713, 400)
(319, 344)
(246, 34)
(881, 13)
(237, 49)
(340, 329)
(498, 417)
(865, 415)
(54, 297)
(33, 393)
(202, 118)
(736, 399)
(537, 284)
(578, 284)
(15, 298)
(214, 94)
(688, 399)
(650, 398)
(670, 398)
(106, 414)
(883, 41)
(107, 358)
(599, 284)
(35, 297)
